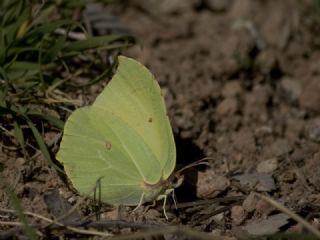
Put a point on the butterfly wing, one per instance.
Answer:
(124, 138)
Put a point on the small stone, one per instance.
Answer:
(278, 148)
(256, 102)
(295, 127)
(244, 140)
(219, 5)
(313, 129)
(290, 89)
(219, 217)
(267, 166)
(312, 170)
(264, 208)
(310, 97)
(238, 214)
(153, 214)
(227, 106)
(266, 60)
(250, 203)
(263, 131)
(261, 181)
(209, 184)
(268, 226)
(20, 161)
(231, 89)
(113, 214)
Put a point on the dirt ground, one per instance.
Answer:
(241, 81)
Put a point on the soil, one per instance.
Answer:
(241, 80)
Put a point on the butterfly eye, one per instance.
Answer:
(177, 181)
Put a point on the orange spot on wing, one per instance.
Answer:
(108, 146)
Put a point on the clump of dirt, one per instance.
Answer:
(241, 83)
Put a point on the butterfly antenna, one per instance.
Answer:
(202, 161)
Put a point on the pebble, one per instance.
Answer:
(264, 208)
(227, 106)
(232, 89)
(313, 129)
(218, 5)
(238, 215)
(20, 161)
(244, 141)
(266, 61)
(310, 97)
(261, 181)
(250, 203)
(312, 171)
(209, 184)
(290, 89)
(267, 166)
(279, 148)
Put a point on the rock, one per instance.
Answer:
(241, 9)
(310, 97)
(59, 206)
(157, 8)
(249, 204)
(313, 129)
(267, 226)
(290, 89)
(261, 181)
(264, 208)
(218, 5)
(256, 101)
(232, 89)
(20, 161)
(227, 106)
(267, 166)
(295, 127)
(278, 29)
(266, 61)
(244, 141)
(278, 148)
(113, 214)
(312, 170)
(209, 184)
(238, 214)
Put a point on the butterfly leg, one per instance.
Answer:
(164, 197)
(140, 202)
(164, 206)
(174, 199)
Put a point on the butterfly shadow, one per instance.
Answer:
(188, 153)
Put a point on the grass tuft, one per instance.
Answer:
(45, 55)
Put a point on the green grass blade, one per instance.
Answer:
(3, 46)
(4, 87)
(16, 205)
(11, 31)
(52, 120)
(53, 52)
(19, 135)
(96, 42)
(22, 70)
(41, 144)
(104, 75)
(50, 27)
